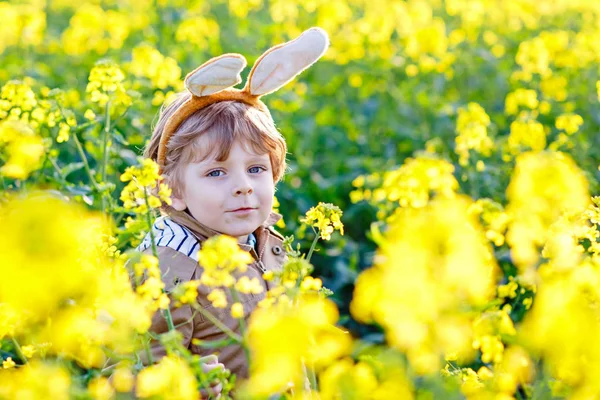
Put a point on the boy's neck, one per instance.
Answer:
(243, 239)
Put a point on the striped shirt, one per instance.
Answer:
(169, 233)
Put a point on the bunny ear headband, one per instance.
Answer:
(212, 81)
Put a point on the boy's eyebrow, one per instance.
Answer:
(251, 159)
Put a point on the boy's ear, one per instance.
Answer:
(178, 203)
(280, 64)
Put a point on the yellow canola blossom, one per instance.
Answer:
(144, 190)
(23, 149)
(148, 62)
(105, 83)
(543, 187)
(92, 28)
(284, 336)
(433, 262)
(414, 184)
(171, 378)
(326, 218)
(24, 25)
(221, 256)
(563, 321)
(54, 248)
(345, 379)
(471, 126)
(35, 380)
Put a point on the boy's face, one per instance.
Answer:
(233, 197)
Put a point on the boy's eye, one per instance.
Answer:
(214, 173)
(256, 170)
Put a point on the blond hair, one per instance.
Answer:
(222, 123)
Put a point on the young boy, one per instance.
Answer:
(219, 151)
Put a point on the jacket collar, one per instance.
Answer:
(203, 232)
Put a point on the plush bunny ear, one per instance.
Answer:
(215, 75)
(280, 64)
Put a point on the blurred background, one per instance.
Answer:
(391, 86)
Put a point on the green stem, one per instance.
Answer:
(218, 323)
(312, 246)
(85, 162)
(312, 378)
(105, 151)
(148, 352)
(242, 322)
(166, 312)
(19, 351)
(58, 171)
(105, 141)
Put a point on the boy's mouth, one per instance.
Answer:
(243, 209)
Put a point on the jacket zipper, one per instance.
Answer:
(260, 254)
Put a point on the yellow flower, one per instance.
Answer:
(100, 389)
(141, 192)
(65, 252)
(543, 187)
(293, 334)
(309, 283)
(197, 30)
(221, 256)
(346, 379)
(412, 185)
(237, 310)
(218, 298)
(247, 285)
(472, 126)
(526, 135)
(23, 148)
(105, 83)
(555, 87)
(534, 56)
(326, 218)
(122, 380)
(89, 115)
(187, 292)
(170, 378)
(569, 123)
(268, 276)
(521, 97)
(162, 71)
(93, 29)
(28, 351)
(438, 249)
(35, 381)
(8, 363)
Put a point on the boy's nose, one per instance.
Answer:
(244, 188)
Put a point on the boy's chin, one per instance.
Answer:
(245, 231)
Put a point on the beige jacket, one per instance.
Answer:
(177, 253)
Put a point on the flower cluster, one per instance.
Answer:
(471, 125)
(544, 186)
(93, 29)
(221, 257)
(23, 148)
(326, 218)
(434, 249)
(152, 288)
(61, 263)
(106, 84)
(170, 378)
(412, 185)
(293, 333)
(162, 71)
(138, 195)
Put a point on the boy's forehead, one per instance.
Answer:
(208, 149)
